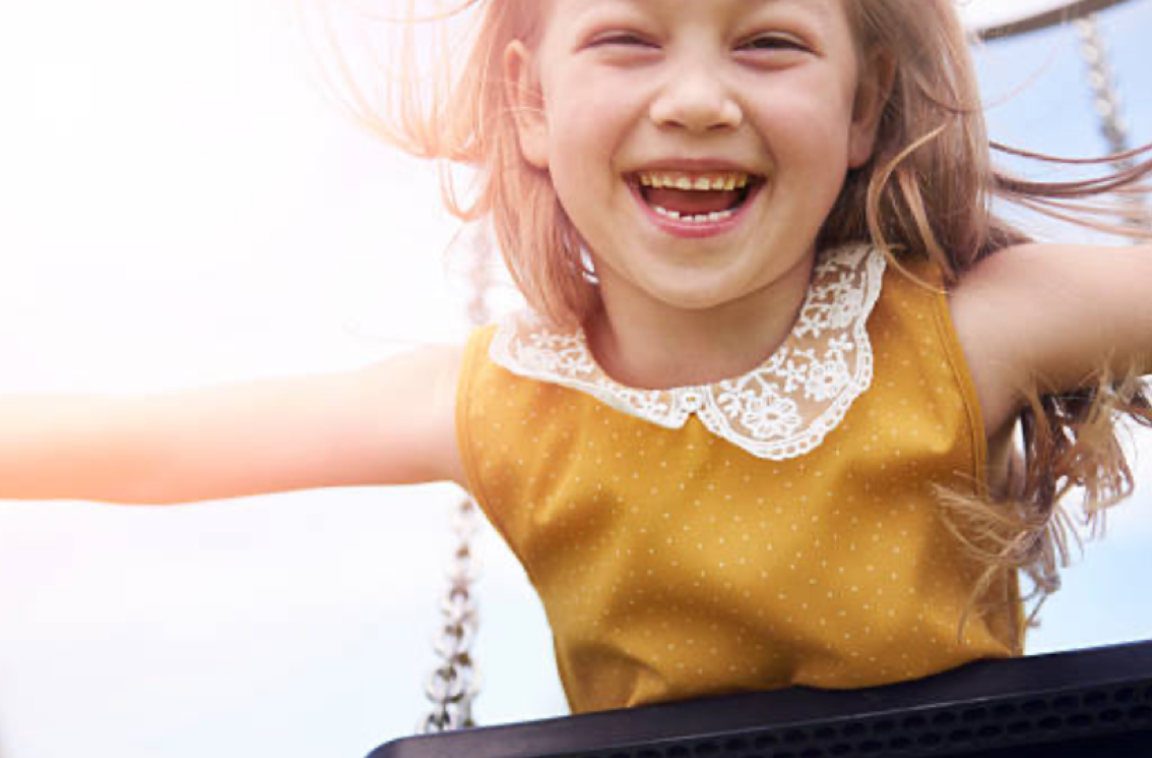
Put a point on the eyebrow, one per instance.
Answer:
(820, 8)
(801, 3)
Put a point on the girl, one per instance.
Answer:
(756, 431)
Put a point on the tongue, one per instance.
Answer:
(687, 202)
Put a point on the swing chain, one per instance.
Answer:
(1107, 104)
(454, 683)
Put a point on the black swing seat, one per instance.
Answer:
(1094, 703)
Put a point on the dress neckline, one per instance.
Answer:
(781, 409)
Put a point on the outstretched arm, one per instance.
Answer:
(391, 423)
(1053, 314)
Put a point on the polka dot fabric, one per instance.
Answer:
(672, 564)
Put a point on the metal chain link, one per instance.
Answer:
(1107, 104)
(455, 681)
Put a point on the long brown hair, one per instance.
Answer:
(444, 100)
(929, 190)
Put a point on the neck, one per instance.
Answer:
(650, 345)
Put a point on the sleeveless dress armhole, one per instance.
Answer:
(475, 353)
(950, 340)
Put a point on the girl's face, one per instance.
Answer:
(627, 102)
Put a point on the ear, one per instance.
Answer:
(872, 94)
(525, 98)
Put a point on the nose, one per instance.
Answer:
(695, 99)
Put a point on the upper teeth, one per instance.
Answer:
(701, 182)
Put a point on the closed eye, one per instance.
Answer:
(621, 38)
(771, 42)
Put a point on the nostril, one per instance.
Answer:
(697, 105)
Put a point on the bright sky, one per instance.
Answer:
(180, 207)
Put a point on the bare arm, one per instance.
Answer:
(391, 423)
(1056, 314)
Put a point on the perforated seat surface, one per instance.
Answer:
(1093, 704)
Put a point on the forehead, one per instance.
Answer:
(817, 10)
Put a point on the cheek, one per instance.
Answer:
(584, 150)
(805, 134)
(590, 119)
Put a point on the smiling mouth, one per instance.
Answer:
(697, 196)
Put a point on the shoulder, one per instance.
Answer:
(1052, 315)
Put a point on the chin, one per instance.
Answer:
(695, 300)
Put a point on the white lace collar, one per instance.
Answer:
(781, 410)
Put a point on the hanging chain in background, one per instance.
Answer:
(1107, 103)
(454, 682)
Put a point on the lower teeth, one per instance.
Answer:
(698, 218)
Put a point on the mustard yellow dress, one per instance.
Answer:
(780, 528)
